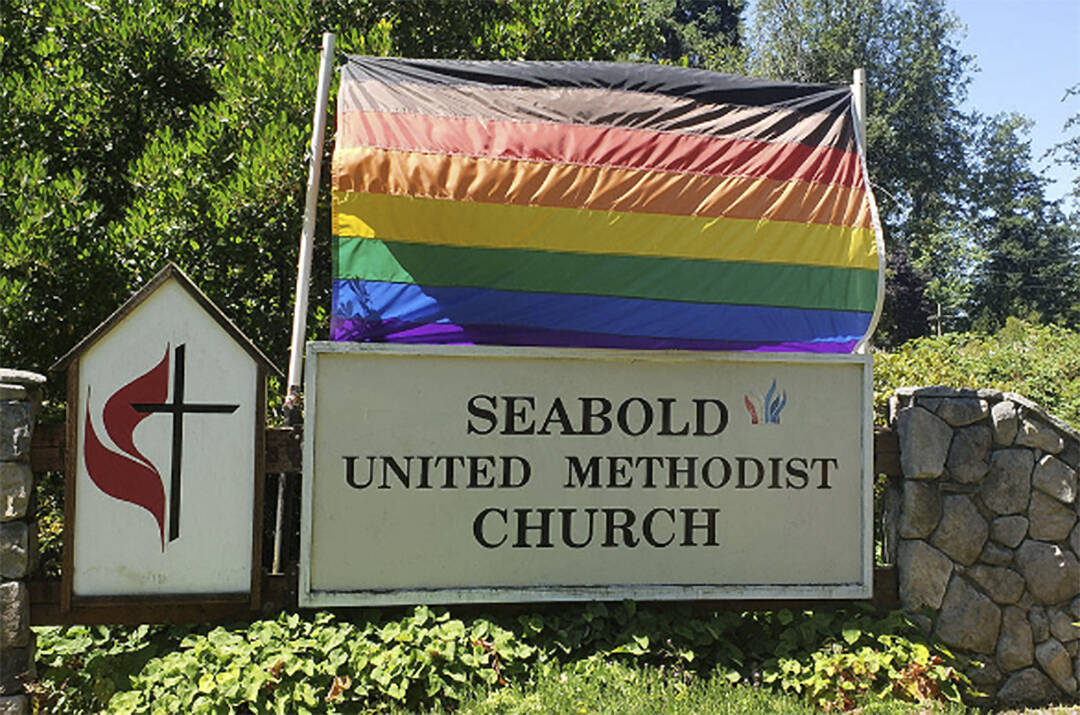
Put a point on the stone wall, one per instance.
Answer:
(20, 398)
(986, 536)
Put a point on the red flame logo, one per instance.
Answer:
(129, 476)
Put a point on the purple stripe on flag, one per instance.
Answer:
(453, 334)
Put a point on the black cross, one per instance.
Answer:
(178, 408)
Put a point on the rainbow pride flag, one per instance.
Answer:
(597, 204)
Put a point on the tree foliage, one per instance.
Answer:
(916, 132)
(699, 33)
(138, 132)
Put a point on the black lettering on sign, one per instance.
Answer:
(350, 472)
(701, 413)
(478, 527)
(487, 415)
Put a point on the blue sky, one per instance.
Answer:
(1029, 53)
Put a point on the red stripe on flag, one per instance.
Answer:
(599, 146)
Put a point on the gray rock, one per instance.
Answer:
(1007, 485)
(924, 443)
(894, 407)
(1052, 575)
(1027, 687)
(14, 705)
(960, 411)
(984, 673)
(1009, 530)
(1056, 663)
(1040, 623)
(14, 549)
(1074, 608)
(1074, 540)
(969, 455)
(968, 619)
(921, 509)
(995, 555)
(941, 391)
(1026, 601)
(1072, 648)
(1015, 647)
(1006, 421)
(924, 573)
(930, 404)
(1061, 626)
(1054, 477)
(14, 614)
(15, 425)
(16, 668)
(16, 483)
(1004, 586)
(1038, 434)
(21, 377)
(923, 622)
(1071, 454)
(1050, 519)
(962, 531)
(13, 392)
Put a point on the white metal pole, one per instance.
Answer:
(307, 235)
(858, 90)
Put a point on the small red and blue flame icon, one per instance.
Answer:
(766, 409)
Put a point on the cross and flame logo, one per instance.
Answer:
(127, 474)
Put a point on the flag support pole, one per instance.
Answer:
(858, 110)
(293, 401)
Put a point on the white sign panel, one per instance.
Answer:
(461, 474)
(166, 416)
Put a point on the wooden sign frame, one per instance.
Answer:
(70, 603)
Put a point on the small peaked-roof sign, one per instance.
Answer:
(166, 420)
(169, 272)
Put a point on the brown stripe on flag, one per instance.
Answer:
(600, 107)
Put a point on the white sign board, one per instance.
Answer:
(167, 408)
(463, 474)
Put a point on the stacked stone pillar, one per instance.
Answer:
(988, 539)
(20, 399)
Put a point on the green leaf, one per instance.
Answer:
(851, 635)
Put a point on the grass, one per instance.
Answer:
(595, 686)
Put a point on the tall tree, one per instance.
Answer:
(1067, 152)
(916, 131)
(1031, 268)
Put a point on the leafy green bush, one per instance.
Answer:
(1040, 362)
(81, 667)
(836, 659)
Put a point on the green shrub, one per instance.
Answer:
(836, 658)
(1040, 362)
